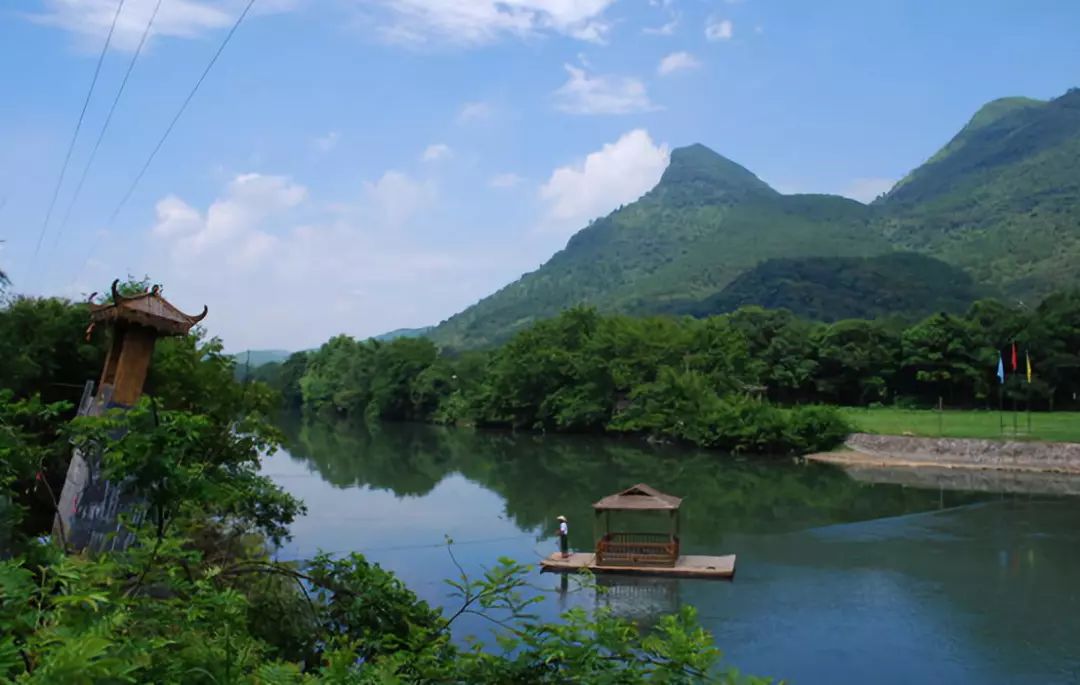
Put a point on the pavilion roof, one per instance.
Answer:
(145, 309)
(640, 497)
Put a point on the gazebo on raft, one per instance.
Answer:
(640, 553)
(625, 548)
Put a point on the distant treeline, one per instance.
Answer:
(751, 380)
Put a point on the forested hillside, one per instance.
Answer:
(1001, 201)
(707, 221)
(905, 284)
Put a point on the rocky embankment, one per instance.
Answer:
(868, 450)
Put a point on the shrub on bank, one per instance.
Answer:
(681, 406)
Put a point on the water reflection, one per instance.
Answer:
(541, 477)
(839, 580)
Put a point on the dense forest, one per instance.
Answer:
(199, 598)
(755, 380)
(903, 284)
(998, 203)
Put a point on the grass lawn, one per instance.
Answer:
(1056, 426)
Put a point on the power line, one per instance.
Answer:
(78, 125)
(180, 112)
(105, 126)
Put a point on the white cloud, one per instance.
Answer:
(507, 180)
(618, 173)
(474, 111)
(667, 29)
(230, 222)
(867, 189)
(601, 94)
(677, 61)
(328, 142)
(437, 151)
(278, 269)
(396, 198)
(477, 22)
(719, 29)
(89, 20)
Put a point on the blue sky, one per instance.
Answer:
(354, 166)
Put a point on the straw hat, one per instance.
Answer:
(560, 518)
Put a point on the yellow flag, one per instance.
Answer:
(1028, 355)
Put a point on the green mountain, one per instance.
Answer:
(1001, 201)
(908, 284)
(403, 333)
(255, 358)
(707, 221)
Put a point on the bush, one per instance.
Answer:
(818, 428)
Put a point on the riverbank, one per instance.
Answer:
(891, 451)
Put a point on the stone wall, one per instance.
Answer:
(1061, 457)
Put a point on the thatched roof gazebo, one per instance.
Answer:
(617, 548)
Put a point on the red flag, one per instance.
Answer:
(1014, 362)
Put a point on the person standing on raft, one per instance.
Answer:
(563, 532)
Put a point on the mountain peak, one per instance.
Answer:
(996, 109)
(700, 172)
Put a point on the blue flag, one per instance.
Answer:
(1001, 369)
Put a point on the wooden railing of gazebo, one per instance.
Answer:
(638, 549)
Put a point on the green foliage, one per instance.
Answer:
(673, 379)
(177, 460)
(44, 348)
(31, 457)
(834, 288)
(702, 381)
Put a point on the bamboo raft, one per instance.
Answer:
(685, 566)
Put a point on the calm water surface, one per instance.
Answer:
(838, 581)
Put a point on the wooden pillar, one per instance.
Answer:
(137, 349)
(108, 373)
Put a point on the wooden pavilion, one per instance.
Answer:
(643, 553)
(137, 321)
(616, 548)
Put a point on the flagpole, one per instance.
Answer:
(1027, 362)
(1014, 365)
(1029, 410)
(1015, 427)
(1001, 393)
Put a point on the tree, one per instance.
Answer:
(779, 344)
(45, 349)
(941, 358)
(856, 361)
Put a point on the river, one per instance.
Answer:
(838, 581)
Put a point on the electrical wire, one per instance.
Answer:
(78, 125)
(105, 126)
(180, 112)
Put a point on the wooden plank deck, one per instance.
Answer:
(688, 566)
